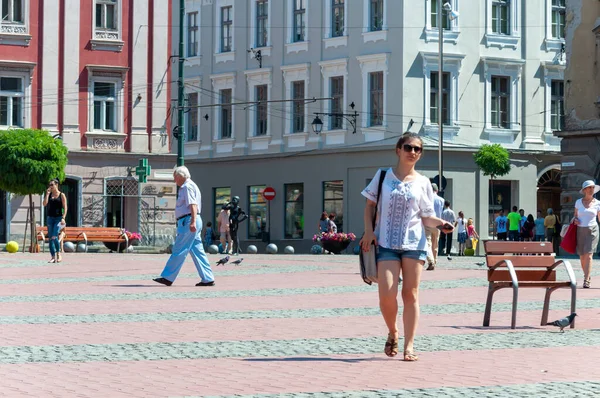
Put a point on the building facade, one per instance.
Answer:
(95, 74)
(502, 83)
(581, 136)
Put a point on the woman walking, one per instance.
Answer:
(56, 211)
(461, 228)
(405, 205)
(586, 211)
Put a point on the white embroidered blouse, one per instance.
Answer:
(401, 206)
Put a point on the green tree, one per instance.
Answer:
(494, 161)
(30, 159)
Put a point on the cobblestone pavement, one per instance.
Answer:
(278, 326)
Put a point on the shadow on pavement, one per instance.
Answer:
(313, 359)
(492, 327)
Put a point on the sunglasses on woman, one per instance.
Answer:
(409, 148)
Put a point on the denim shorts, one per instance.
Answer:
(384, 254)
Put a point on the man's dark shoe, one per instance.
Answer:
(163, 281)
(205, 283)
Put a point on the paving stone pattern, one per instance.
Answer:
(277, 326)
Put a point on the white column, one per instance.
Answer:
(160, 79)
(139, 74)
(72, 69)
(49, 94)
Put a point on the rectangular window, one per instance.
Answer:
(226, 27)
(106, 14)
(299, 21)
(192, 34)
(262, 17)
(376, 99)
(105, 106)
(294, 211)
(500, 102)
(11, 101)
(261, 109)
(221, 196)
(434, 15)
(558, 19)
(337, 18)
(337, 103)
(257, 214)
(333, 201)
(298, 106)
(500, 16)
(375, 15)
(12, 11)
(557, 105)
(192, 117)
(226, 110)
(433, 97)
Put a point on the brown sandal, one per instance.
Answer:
(410, 356)
(391, 346)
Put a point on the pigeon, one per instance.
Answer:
(480, 263)
(237, 262)
(563, 322)
(223, 261)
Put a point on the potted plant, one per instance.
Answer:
(334, 242)
(135, 238)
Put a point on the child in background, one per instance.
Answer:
(208, 234)
(473, 236)
(61, 235)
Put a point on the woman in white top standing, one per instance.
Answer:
(586, 211)
(405, 205)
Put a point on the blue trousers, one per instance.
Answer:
(52, 223)
(188, 242)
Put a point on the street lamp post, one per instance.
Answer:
(452, 16)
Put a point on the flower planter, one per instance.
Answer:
(134, 242)
(335, 246)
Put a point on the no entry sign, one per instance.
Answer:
(268, 193)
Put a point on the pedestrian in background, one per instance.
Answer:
(528, 228)
(587, 209)
(189, 227)
(406, 203)
(433, 234)
(461, 228)
(446, 239)
(208, 234)
(550, 222)
(324, 223)
(501, 226)
(540, 230)
(332, 227)
(56, 211)
(224, 230)
(521, 224)
(514, 225)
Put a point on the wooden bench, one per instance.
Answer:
(88, 234)
(524, 265)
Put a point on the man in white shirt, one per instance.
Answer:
(433, 234)
(189, 236)
(446, 239)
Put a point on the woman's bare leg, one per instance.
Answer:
(411, 271)
(387, 275)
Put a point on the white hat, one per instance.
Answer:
(589, 183)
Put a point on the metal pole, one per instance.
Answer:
(180, 83)
(440, 97)
(269, 220)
